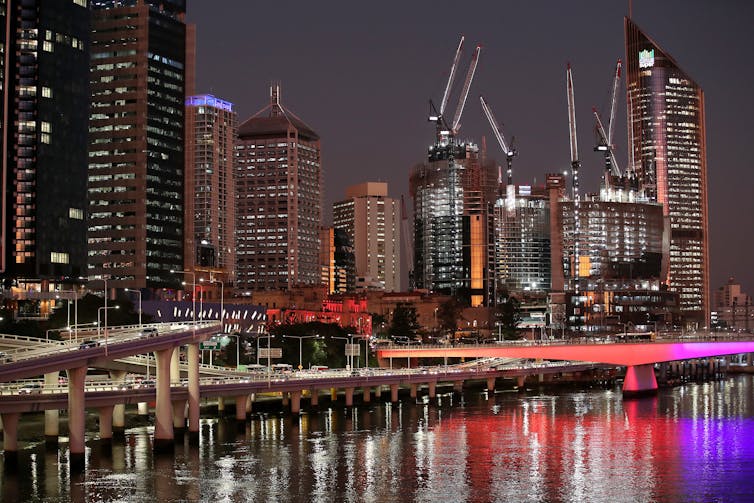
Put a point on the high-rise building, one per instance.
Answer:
(668, 155)
(136, 157)
(210, 188)
(372, 221)
(44, 79)
(337, 260)
(279, 191)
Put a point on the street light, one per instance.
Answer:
(300, 345)
(193, 291)
(268, 337)
(99, 310)
(222, 303)
(139, 292)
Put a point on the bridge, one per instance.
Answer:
(638, 357)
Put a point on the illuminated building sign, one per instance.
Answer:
(209, 100)
(646, 58)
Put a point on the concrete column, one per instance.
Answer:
(250, 403)
(295, 402)
(142, 408)
(432, 389)
(52, 416)
(241, 401)
(490, 384)
(119, 411)
(286, 400)
(193, 389)
(748, 359)
(333, 394)
(175, 369)
(378, 392)
(220, 405)
(106, 422)
(76, 415)
(458, 386)
(412, 392)
(10, 433)
(349, 397)
(393, 393)
(366, 394)
(179, 415)
(163, 422)
(640, 379)
(520, 380)
(314, 393)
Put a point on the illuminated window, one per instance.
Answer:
(46, 92)
(76, 213)
(58, 257)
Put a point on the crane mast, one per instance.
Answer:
(575, 273)
(509, 152)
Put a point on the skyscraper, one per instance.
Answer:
(136, 158)
(279, 191)
(210, 184)
(668, 155)
(372, 220)
(43, 126)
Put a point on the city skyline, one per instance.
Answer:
(365, 78)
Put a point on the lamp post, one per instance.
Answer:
(99, 310)
(268, 337)
(193, 291)
(222, 304)
(138, 292)
(300, 345)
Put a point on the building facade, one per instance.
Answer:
(136, 158)
(279, 208)
(667, 153)
(44, 78)
(372, 221)
(210, 185)
(337, 260)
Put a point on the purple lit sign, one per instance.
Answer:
(209, 101)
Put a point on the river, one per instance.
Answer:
(692, 442)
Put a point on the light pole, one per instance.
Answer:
(139, 292)
(300, 345)
(193, 291)
(349, 362)
(222, 303)
(268, 337)
(99, 310)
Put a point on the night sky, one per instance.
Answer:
(361, 74)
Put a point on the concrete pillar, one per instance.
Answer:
(349, 397)
(163, 422)
(193, 390)
(220, 405)
(295, 402)
(541, 377)
(432, 389)
(412, 392)
(76, 415)
(179, 415)
(175, 369)
(10, 433)
(119, 411)
(490, 384)
(106, 422)
(52, 416)
(286, 400)
(142, 408)
(640, 379)
(378, 392)
(393, 393)
(458, 386)
(250, 403)
(333, 394)
(366, 394)
(314, 393)
(748, 359)
(241, 401)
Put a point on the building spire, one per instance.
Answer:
(275, 99)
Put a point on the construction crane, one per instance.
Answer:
(605, 138)
(445, 130)
(509, 152)
(407, 244)
(575, 164)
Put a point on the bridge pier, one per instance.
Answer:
(366, 394)
(520, 381)
(10, 436)
(106, 422)
(490, 384)
(193, 391)
(250, 403)
(393, 393)
(314, 395)
(349, 397)
(221, 405)
(432, 389)
(179, 416)
(286, 400)
(119, 410)
(163, 415)
(458, 386)
(412, 390)
(142, 408)
(52, 416)
(378, 392)
(296, 402)
(241, 401)
(640, 379)
(333, 394)
(76, 416)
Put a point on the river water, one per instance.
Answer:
(693, 442)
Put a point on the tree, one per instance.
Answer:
(448, 313)
(508, 315)
(404, 321)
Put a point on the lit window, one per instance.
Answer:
(76, 213)
(58, 257)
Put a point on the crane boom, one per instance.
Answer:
(611, 123)
(452, 77)
(509, 152)
(465, 91)
(605, 145)
(572, 118)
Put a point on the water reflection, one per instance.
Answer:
(689, 443)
